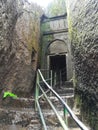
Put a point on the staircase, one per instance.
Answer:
(67, 94)
(22, 115)
(61, 99)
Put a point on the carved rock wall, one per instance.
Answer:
(83, 31)
(19, 38)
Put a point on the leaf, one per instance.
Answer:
(9, 94)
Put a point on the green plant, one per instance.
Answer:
(9, 94)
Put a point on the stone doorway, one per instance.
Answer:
(58, 66)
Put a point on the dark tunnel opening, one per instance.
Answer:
(58, 66)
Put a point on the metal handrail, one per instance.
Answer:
(46, 80)
(78, 122)
(37, 106)
(54, 109)
(42, 117)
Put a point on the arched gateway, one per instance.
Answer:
(56, 55)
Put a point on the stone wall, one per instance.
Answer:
(62, 46)
(19, 38)
(83, 31)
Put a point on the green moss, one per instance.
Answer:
(78, 101)
(74, 79)
(44, 40)
(45, 26)
(31, 37)
(74, 34)
(89, 111)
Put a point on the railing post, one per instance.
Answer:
(51, 78)
(54, 78)
(60, 79)
(51, 82)
(66, 114)
(36, 91)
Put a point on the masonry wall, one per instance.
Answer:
(56, 46)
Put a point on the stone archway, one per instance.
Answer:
(57, 54)
(58, 45)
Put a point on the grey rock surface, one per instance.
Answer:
(19, 37)
(83, 30)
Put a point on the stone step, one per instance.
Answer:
(68, 99)
(19, 113)
(19, 102)
(30, 102)
(17, 116)
(26, 119)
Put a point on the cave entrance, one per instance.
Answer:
(58, 66)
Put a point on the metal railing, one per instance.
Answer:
(37, 105)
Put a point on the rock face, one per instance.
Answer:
(83, 30)
(19, 37)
